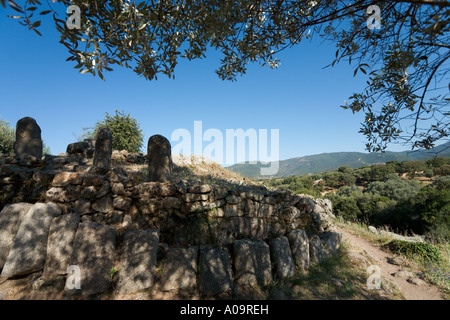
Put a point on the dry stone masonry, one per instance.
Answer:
(126, 234)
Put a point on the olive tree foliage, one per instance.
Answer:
(406, 61)
(126, 131)
(7, 137)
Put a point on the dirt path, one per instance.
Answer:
(410, 291)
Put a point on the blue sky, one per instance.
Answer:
(300, 98)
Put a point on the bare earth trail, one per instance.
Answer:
(380, 258)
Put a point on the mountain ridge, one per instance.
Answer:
(322, 162)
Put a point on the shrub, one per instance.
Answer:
(421, 251)
(7, 137)
(125, 130)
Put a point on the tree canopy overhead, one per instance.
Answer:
(406, 60)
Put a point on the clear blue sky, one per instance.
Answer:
(300, 98)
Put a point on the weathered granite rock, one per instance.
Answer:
(159, 154)
(82, 148)
(93, 254)
(82, 207)
(193, 197)
(103, 150)
(55, 194)
(179, 273)
(299, 243)
(28, 138)
(104, 204)
(63, 179)
(373, 230)
(281, 255)
(331, 242)
(246, 227)
(201, 188)
(214, 271)
(317, 253)
(60, 243)
(10, 219)
(122, 203)
(252, 262)
(29, 249)
(138, 260)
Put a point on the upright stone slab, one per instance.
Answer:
(331, 242)
(180, 270)
(317, 253)
(252, 263)
(103, 150)
(28, 138)
(281, 255)
(29, 249)
(93, 253)
(299, 243)
(214, 271)
(10, 218)
(159, 154)
(60, 244)
(138, 260)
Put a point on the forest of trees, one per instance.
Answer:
(385, 194)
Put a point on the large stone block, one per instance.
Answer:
(180, 270)
(299, 243)
(252, 262)
(138, 260)
(246, 227)
(331, 242)
(60, 243)
(63, 179)
(93, 253)
(317, 252)
(29, 249)
(10, 219)
(281, 255)
(214, 271)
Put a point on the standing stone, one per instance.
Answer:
(93, 254)
(138, 260)
(10, 218)
(28, 138)
(317, 253)
(300, 248)
(214, 271)
(252, 263)
(60, 244)
(281, 255)
(103, 150)
(180, 270)
(29, 249)
(159, 154)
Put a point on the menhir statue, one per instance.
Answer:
(159, 155)
(103, 150)
(28, 138)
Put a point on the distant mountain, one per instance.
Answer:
(332, 161)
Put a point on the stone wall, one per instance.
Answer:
(212, 237)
